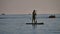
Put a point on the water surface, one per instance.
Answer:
(16, 24)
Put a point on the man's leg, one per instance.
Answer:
(32, 20)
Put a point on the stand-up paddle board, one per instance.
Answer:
(35, 23)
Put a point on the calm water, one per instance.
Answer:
(16, 24)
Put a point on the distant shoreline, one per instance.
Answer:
(18, 14)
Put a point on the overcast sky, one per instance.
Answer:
(27, 6)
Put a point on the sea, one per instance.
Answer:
(16, 24)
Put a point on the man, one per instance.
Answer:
(34, 17)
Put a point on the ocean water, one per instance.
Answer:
(16, 24)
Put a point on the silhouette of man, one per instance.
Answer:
(33, 16)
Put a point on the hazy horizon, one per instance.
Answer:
(27, 6)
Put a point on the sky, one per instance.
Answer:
(27, 6)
